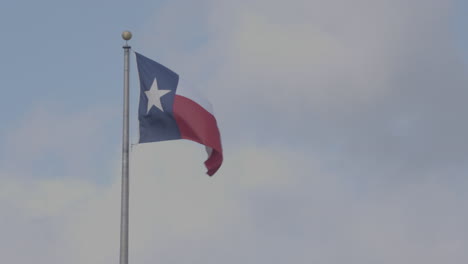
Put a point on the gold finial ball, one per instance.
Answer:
(126, 35)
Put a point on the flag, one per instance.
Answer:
(170, 110)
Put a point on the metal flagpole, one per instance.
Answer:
(126, 35)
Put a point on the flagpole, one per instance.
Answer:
(126, 35)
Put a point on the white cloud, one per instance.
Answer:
(52, 139)
(265, 205)
(44, 198)
(317, 55)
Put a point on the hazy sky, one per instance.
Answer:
(343, 126)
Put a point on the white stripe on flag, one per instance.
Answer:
(193, 94)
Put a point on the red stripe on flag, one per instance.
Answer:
(197, 124)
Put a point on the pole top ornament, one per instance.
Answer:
(127, 35)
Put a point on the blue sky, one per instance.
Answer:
(342, 124)
(460, 22)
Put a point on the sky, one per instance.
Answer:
(342, 125)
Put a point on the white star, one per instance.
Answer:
(154, 96)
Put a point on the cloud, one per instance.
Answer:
(265, 205)
(49, 172)
(52, 140)
(375, 84)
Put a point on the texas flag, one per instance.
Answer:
(169, 110)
